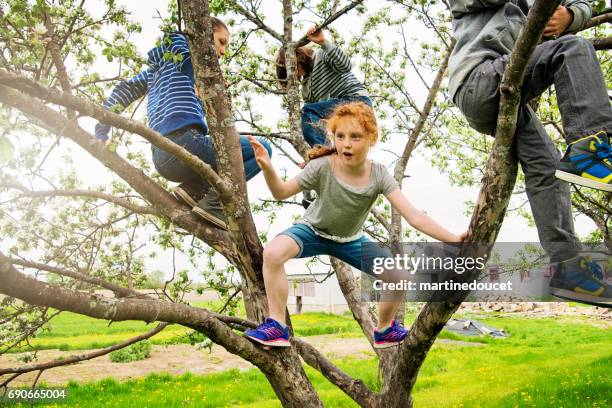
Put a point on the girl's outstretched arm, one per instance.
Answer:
(280, 189)
(421, 221)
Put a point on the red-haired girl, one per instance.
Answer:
(347, 185)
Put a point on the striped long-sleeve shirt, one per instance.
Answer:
(168, 83)
(331, 76)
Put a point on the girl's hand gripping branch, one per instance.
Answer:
(422, 221)
(280, 189)
(315, 35)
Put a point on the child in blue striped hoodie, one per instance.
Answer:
(175, 110)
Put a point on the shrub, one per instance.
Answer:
(135, 352)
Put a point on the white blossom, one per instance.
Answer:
(40, 29)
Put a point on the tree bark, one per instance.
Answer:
(498, 182)
(291, 384)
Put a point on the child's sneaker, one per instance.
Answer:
(188, 195)
(210, 209)
(578, 280)
(588, 162)
(391, 336)
(270, 333)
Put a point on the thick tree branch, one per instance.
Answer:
(602, 43)
(498, 183)
(226, 141)
(35, 292)
(87, 108)
(352, 293)
(598, 20)
(354, 388)
(146, 187)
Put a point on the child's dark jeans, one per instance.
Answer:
(571, 65)
(312, 113)
(193, 140)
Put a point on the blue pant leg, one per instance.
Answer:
(362, 98)
(251, 169)
(200, 145)
(173, 169)
(312, 113)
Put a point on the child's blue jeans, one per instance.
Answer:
(199, 144)
(312, 113)
(350, 252)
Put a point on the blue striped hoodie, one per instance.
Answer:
(168, 83)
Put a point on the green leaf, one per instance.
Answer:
(6, 149)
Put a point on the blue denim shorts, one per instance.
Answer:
(355, 253)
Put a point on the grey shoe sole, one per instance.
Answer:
(210, 218)
(583, 181)
(184, 197)
(581, 297)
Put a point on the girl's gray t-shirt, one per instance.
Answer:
(340, 210)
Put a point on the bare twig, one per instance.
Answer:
(83, 357)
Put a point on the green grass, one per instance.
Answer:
(545, 363)
(70, 331)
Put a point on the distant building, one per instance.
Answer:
(315, 292)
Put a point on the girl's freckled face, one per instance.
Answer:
(351, 142)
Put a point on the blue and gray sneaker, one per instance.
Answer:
(391, 336)
(270, 333)
(581, 280)
(588, 162)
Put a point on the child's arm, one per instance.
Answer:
(333, 57)
(280, 189)
(122, 96)
(421, 221)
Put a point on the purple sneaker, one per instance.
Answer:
(270, 333)
(391, 336)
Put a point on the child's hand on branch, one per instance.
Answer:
(462, 237)
(558, 23)
(261, 154)
(315, 35)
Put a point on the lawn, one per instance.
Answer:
(70, 331)
(550, 362)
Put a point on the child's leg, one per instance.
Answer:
(386, 313)
(277, 252)
(251, 169)
(360, 254)
(571, 64)
(173, 169)
(312, 113)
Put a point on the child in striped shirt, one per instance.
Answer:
(175, 110)
(327, 81)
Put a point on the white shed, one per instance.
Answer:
(315, 292)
